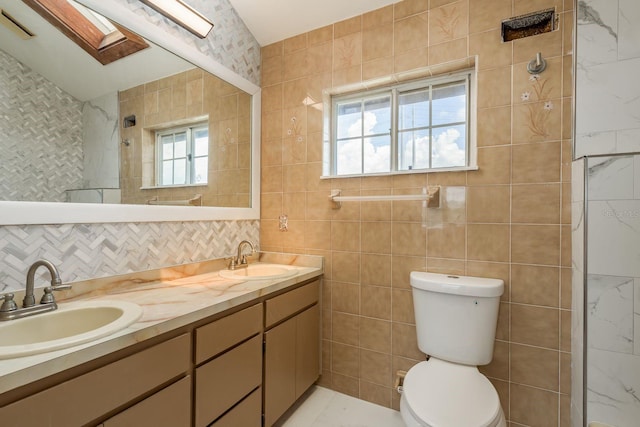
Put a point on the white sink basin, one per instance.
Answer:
(71, 324)
(259, 272)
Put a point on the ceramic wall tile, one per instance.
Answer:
(610, 313)
(610, 178)
(607, 99)
(628, 29)
(577, 180)
(636, 177)
(628, 141)
(611, 393)
(636, 317)
(614, 224)
(597, 32)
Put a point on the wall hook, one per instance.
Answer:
(538, 65)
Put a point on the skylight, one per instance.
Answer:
(105, 41)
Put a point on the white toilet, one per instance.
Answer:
(456, 319)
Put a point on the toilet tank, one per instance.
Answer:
(456, 316)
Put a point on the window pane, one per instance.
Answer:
(349, 160)
(449, 104)
(377, 154)
(200, 170)
(201, 142)
(167, 173)
(180, 145)
(349, 120)
(180, 171)
(377, 116)
(413, 150)
(167, 147)
(413, 110)
(449, 147)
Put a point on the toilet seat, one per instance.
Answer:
(444, 394)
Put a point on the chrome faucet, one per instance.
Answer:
(240, 260)
(9, 309)
(29, 299)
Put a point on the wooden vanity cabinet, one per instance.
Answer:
(292, 348)
(242, 369)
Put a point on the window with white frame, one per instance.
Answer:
(183, 155)
(415, 126)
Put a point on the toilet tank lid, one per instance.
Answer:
(458, 285)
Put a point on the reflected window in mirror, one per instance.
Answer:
(183, 155)
(192, 129)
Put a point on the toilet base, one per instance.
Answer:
(410, 421)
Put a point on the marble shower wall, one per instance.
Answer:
(608, 63)
(100, 142)
(608, 137)
(577, 291)
(613, 290)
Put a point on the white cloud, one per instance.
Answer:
(446, 152)
(349, 153)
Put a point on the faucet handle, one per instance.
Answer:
(47, 297)
(233, 261)
(9, 304)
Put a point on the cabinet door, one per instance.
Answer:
(307, 349)
(292, 362)
(279, 370)
(169, 407)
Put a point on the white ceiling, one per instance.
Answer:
(273, 20)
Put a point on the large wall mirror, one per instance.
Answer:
(148, 136)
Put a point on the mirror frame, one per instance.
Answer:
(18, 213)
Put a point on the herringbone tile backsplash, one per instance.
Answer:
(86, 251)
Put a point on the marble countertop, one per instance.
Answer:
(170, 298)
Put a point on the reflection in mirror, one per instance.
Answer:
(148, 128)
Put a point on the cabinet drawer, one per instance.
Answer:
(247, 413)
(89, 396)
(285, 305)
(169, 407)
(218, 336)
(225, 380)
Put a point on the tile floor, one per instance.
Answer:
(321, 407)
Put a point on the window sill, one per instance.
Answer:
(173, 186)
(409, 172)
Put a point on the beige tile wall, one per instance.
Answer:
(174, 101)
(510, 219)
